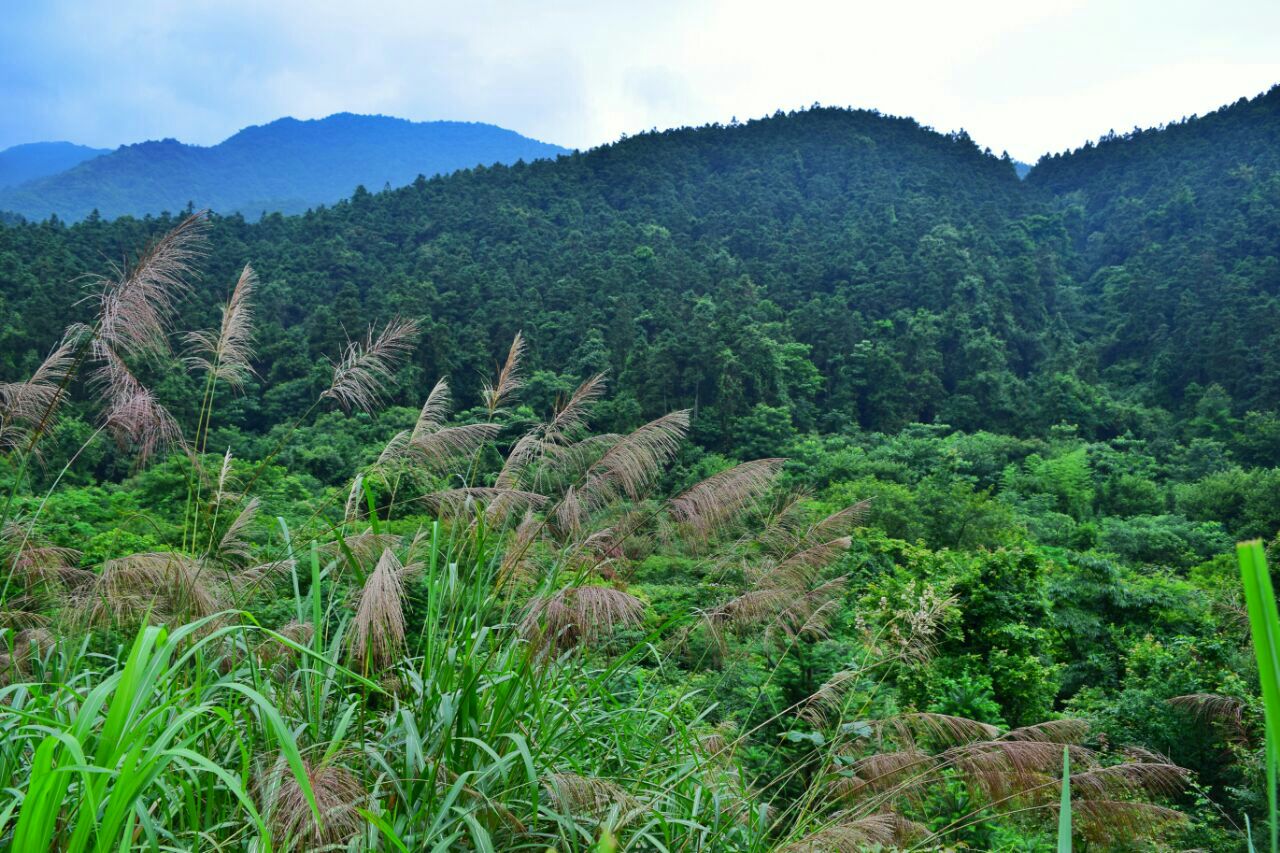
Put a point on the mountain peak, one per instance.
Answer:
(32, 160)
(284, 165)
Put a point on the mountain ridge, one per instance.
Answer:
(847, 266)
(32, 160)
(287, 165)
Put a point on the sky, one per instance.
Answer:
(1024, 77)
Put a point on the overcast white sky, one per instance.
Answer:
(1026, 77)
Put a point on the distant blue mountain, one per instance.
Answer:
(23, 163)
(287, 166)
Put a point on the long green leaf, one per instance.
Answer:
(1064, 810)
(1264, 624)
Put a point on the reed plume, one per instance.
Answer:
(377, 632)
(509, 378)
(136, 305)
(226, 354)
(361, 376)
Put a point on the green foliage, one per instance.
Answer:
(1005, 624)
(1264, 624)
(1037, 386)
(1064, 809)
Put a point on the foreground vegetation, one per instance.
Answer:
(904, 521)
(508, 631)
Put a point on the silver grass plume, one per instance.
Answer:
(134, 417)
(26, 406)
(136, 305)
(377, 632)
(592, 797)
(361, 376)
(705, 507)
(634, 462)
(509, 379)
(227, 353)
(162, 585)
(468, 500)
(338, 795)
(847, 832)
(570, 419)
(579, 615)
(435, 411)
(35, 561)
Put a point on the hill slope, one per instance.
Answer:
(287, 165)
(23, 163)
(848, 265)
(1177, 232)
(812, 271)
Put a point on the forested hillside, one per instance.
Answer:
(845, 267)
(287, 165)
(1176, 237)
(815, 483)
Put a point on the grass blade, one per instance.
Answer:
(1264, 624)
(1064, 811)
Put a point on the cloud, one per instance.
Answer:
(1023, 77)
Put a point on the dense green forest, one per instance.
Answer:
(838, 482)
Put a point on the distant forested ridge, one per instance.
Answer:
(23, 163)
(287, 166)
(821, 270)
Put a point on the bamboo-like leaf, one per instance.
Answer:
(1064, 811)
(1264, 624)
